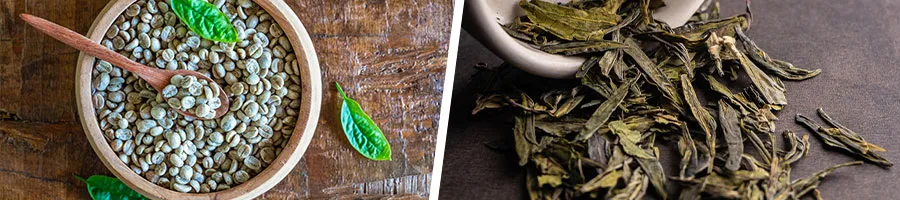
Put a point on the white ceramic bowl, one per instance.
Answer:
(483, 19)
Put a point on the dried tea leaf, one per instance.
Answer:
(602, 114)
(698, 29)
(715, 186)
(548, 166)
(565, 22)
(550, 180)
(771, 91)
(849, 133)
(729, 122)
(704, 119)
(718, 87)
(609, 6)
(619, 68)
(608, 61)
(589, 64)
(518, 30)
(488, 102)
(606, 180)
(635, 189)
(680, 51)
(573, 48)
(748, 175)
(690, 158)
(838, 138)
(695, 33)
(599, 150)
(646, 15)
(803, 186)
(567, 106)
(628, 139)
(655, 174)
(523, 147)
(757, 142)
(561, 127)
(797, 147)
(593, 81)
(650, 70)
(783, 69)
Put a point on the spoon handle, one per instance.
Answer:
(153, 76)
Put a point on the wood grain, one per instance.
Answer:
(389, 55)
(153, 76)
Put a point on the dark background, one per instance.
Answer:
(855, 43)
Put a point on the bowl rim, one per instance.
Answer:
(311, 98)
(483, 18)
(483, 21)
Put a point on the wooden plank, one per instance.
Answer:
(44, 156)
(390, 55)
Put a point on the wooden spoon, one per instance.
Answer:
(158, 78)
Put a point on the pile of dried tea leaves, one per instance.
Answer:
(645, 81)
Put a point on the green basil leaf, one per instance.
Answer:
(363, 134)
(205, 19)
(105, 187)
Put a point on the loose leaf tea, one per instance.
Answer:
(845, 139)
(109, 188)
(363, 134)
(810, 183)
(729, 123)
(644, 83)
(605, 110)
(205, 19)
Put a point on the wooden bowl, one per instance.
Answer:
(311, 98)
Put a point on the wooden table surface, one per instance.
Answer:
(388, 55)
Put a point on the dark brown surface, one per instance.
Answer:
(855, 43)
(389, 55)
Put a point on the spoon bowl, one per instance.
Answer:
(483, 19)
(158, 78)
